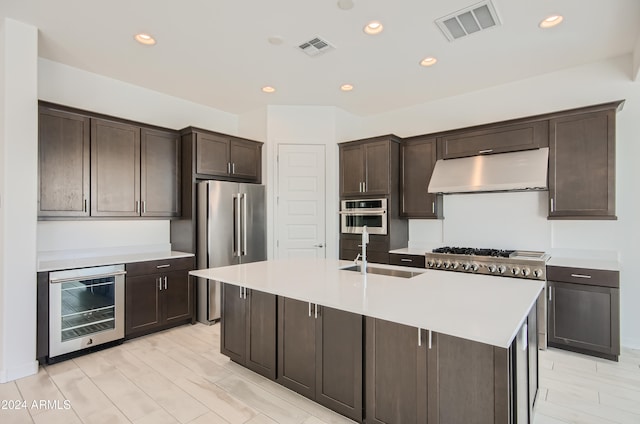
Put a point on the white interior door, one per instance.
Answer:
(300, 201)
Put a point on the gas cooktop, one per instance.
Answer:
(506, 263)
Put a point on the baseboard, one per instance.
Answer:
(24, 370)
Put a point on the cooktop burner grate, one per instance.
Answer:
(498, 253)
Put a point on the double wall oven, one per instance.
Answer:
(86, 308)
(355, 214)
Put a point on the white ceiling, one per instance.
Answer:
(216, 53)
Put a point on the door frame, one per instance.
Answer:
(276, 193)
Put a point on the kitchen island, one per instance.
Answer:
(437, 347)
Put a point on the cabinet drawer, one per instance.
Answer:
(373, 246)
(416, 261)
(590, 277)
(158, 266)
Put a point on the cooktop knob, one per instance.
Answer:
(502, 269)
(466, 266)
(430, 263)
(537, 272)
(474, 267)
(526, 272)
(455, 265)
(447, 264)
(492, 268)
(515, 270)
(438, 264)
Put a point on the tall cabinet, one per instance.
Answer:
(418, 156)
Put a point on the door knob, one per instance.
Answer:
(318, 245)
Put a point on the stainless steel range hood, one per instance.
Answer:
(514, 171)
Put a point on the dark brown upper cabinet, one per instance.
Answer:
(94, 166)
(160, 173)
(582, 164)
(63, 153)
(369, 167)
(418, 157)
(495, 138)
(115, 169)
(226, 157)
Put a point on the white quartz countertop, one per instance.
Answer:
(124, 258)
(410, 251)
(481, 308)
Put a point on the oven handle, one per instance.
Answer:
(87, 277)
(379, 212)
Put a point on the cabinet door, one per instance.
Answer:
(351, 170)
(468, 382)
(63, 153)
(142, 303)
(339, 362)
(177, 296)
(233, 324)
(160, 173)
(418, 158)
(584, 317)
(396, 374)
(297, 346)
(246, 161)
(377, 159)
(212, 155)
(115, 169)
(261, 333)
(496, 139)
(582, 166)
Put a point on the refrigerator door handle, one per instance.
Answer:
(236, 225)
(243, 251)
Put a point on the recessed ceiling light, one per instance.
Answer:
(268, 89)
(373, 28)
(145, 39)
(276, 40)
(345, 4)
(428, 61)
(551, 21)
(346, 87)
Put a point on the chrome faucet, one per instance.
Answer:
(365, 241)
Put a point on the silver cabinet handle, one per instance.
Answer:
(364, 186)
(525, 336)
(163, 266)
(85, 205)
(551, 201)
(485, 151)
(433, 207)
(159, 283)
(240, 292)
(137, 206)
(228, 167)
(233, 168)
(419, 337)
(550, 288)
(165, 282)
(580, 275)
(430, 339)
(315, 310)
(309, 308)
(406, 260)
(144, 207)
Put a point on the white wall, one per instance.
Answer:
(19, 140)
(303, 125)
(507, 220)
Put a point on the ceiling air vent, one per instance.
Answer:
(315, 46)
(469, 20)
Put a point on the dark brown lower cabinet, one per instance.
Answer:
(396, 373)
(158, 295)
(320, 355)
(415, 376)
(584, 318)
(248, 328)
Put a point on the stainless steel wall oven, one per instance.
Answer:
(86, 308)
(355, 214)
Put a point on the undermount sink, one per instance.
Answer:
(384, 271)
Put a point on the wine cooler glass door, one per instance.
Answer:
(86, 308)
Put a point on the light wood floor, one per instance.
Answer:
(179, 376)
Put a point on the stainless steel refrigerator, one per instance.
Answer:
(231, 230)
